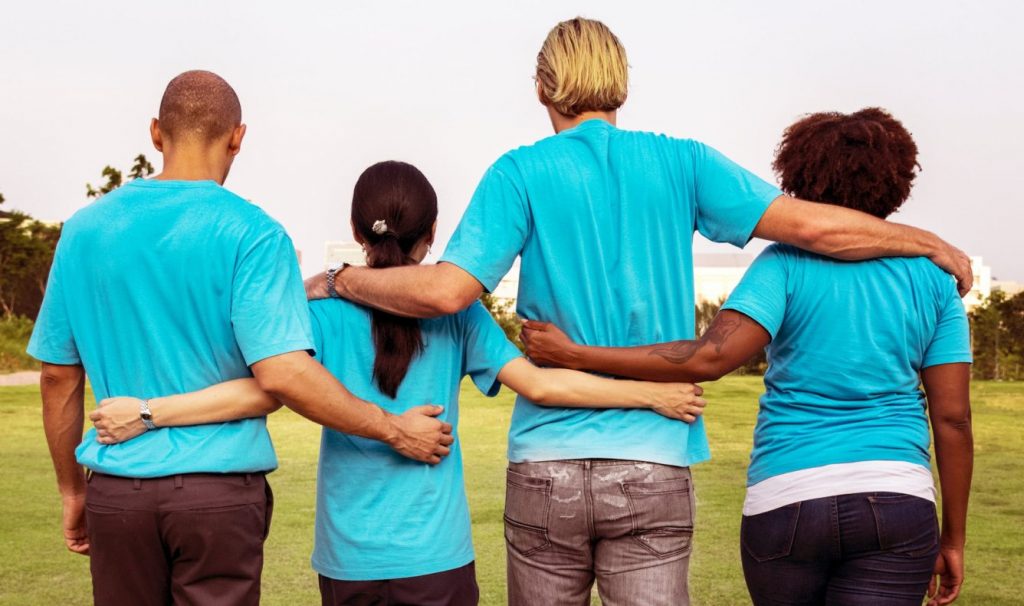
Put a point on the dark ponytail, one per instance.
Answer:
(393, 208)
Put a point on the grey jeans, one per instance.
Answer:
(627, 524)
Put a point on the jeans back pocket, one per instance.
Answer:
(769, 535)
(662, 515)
(906, 524)
(527, 500)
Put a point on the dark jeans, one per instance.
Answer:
(456, 587)
(185, 539)
(864, 549)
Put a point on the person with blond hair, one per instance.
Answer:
(603, 219)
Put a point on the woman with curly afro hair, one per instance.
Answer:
(840, 504)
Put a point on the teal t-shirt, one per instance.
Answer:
(167, 287)
(603, 220)
(380, 515)
(848, 342)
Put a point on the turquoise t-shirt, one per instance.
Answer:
(603, 220)
(380, 515)
(167, 287)
(848, 342)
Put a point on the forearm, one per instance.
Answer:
(954, 454)
(416, 291)
(303, 385)
(63, 394)
(843, 233)
(572, 389)
(686, 361)
(228, 401)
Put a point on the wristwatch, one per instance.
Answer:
(146, 414)
(332, 272)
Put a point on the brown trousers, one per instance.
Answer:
(456, 587)
(184, 539)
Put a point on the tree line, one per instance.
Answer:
(27, 247)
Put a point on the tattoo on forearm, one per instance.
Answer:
(679, 352)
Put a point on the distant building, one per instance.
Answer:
(716, 275)
(1007, 287)
(337, 252)
(982, 287)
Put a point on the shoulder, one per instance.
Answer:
(336, 310)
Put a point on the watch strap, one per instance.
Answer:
(146, 414)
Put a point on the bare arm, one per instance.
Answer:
(730, 341)
(300, 383)
(572, 389)
(414, 291)
(949, 408)
(117, 419)
(851, 235)
(63, 391)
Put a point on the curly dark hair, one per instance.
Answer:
(866, 161)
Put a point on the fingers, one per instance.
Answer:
(698, 390)
(442, 451)
(96, 415)
(446, 428)
(535, 325)
(447, 440)
(430, 410)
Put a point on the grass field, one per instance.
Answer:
(35, 568)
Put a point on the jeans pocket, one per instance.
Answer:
(906, 525)
(527, 500)
(769, 535)
(662, 515)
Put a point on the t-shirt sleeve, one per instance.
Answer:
(269, 312)
(730, 199)
(315, 322)
(52, 339)
(951, 342)
(487, 349)
(492, 231)
(762, 292)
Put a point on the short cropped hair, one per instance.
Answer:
(200, 106)
(582, 67)
(866, 161)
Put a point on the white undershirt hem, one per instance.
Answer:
(842, 478)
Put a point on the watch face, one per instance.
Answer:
(147, 416)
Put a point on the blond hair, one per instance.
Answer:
(582, 67)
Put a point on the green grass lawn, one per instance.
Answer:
(35, 568)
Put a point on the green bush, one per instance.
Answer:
(14, 334)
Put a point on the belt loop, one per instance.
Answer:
(248, 479)
(137, 484)
(179, 481)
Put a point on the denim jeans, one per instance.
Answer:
(626, 524)
(874, 549)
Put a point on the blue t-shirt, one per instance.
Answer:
(167, 287)
(604, 219)
(848, 342)
(380, 515)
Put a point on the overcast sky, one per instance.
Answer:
(329, 88)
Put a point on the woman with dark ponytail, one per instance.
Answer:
(379, 517)
(390, 530)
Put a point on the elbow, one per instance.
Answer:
(53, 375)
(449, 302)
(957, 423)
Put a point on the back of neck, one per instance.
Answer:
(193, 164)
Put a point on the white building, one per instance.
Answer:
(338, 251)
(982, 287)
(1007, 287)
(716, 275)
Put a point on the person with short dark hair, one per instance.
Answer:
(390, 531)
(840, 504)
(167, 285)
(603, 219)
